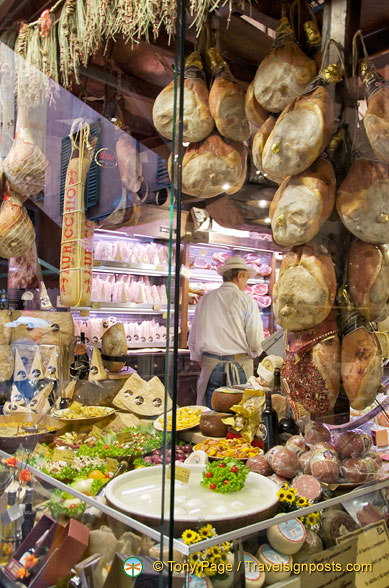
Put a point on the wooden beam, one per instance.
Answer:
(341, 19)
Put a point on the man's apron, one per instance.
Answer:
(208, 364)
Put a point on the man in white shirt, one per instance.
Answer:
(226, 332)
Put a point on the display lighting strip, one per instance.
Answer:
(122, 310)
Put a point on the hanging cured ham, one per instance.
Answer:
(256, 115)
(311, 367)
(17, 233)
(284, 73)
(25, 165)
(197, 120)
(376, 119)
(305, 290)
(212, 167)
(129, 163)
(361, 362)
(259, 141)
(363, 201)
(300, 134)
(302, 204)
(368, 278)
(227, 101)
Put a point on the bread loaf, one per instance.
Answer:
(282, 75)
(368, 278)
(212, 167)
(300, 134)
(255, 114)
(302, 204)
(363, 201)
(197, 119)
(130, 165)
(361, 367)
(227, 102)
(305, 289)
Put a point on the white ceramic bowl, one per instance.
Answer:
(138, 493)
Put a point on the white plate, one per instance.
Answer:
(158, 423)
(139, 493)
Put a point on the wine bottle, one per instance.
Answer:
(8, 538)
(29, 514)
(269, 417)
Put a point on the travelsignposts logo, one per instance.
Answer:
(133, 567)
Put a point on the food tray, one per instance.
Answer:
(29, 440)
(108, 411)
(158, 421)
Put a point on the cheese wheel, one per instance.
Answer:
(254, 577)
(312, 544)
(211, 424)
(288, 537)
(269, 557)
(334, 524)
(223, 399)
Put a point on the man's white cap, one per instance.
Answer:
(236, 262)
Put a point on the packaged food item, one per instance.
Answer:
(359, 469)
(351, 443)
(296, 443)
(315, 432)
(305, 462)
(259, 465)
(325, 466)
(283, 461)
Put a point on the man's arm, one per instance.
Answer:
(194, 352)
(254, 329)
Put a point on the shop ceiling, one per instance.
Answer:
(144, 69)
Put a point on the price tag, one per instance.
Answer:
(112, 465)
(181, 474)
(157, 307)
(96, 432)
(41, 450)
(185, 271)
(65, 455)
(125, 437)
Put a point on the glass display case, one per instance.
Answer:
(139, 154)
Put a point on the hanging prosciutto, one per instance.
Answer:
(197, 121)
(227, 101)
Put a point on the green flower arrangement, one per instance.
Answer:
(208, 562)
(289, 501)
(225, 476)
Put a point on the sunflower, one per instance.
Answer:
(215, 551)
(302, 519)
(189, 537)
(301, 502)
(225, 546)
(223, 558)
(194, 558)
(289, 497)
(312, 519)
(281, 495)
(206, 531)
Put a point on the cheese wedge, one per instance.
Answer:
(97, 371)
